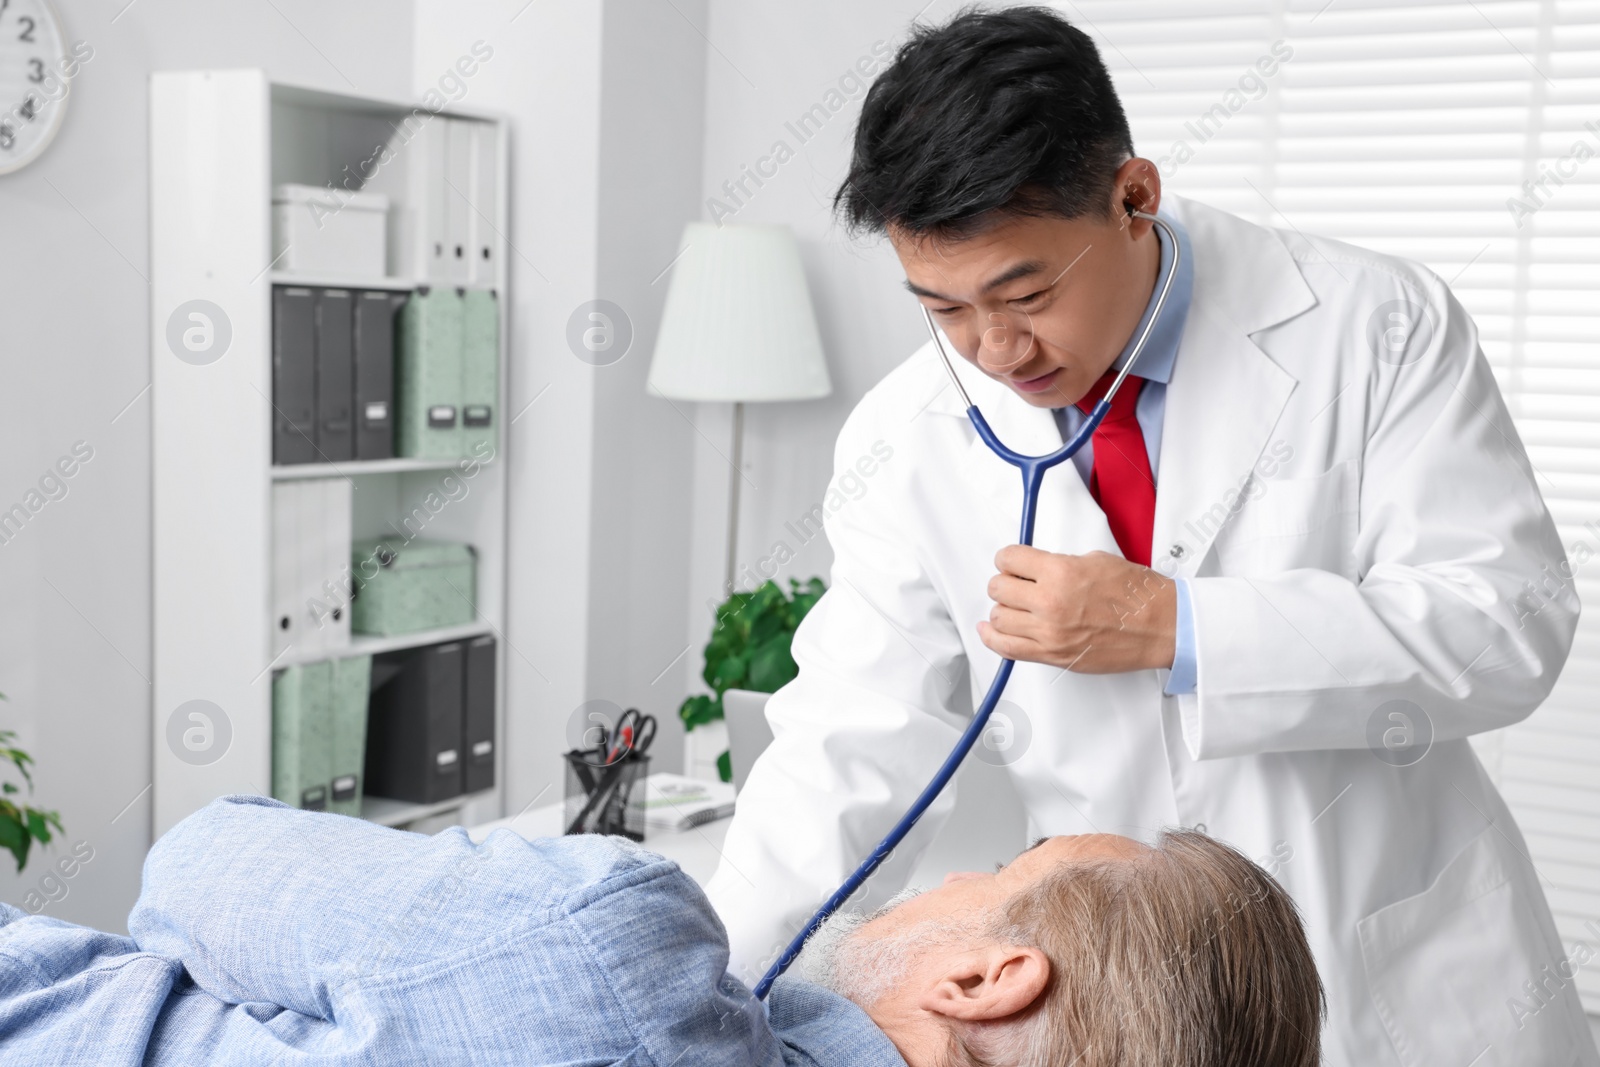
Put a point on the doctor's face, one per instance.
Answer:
(1044, 305)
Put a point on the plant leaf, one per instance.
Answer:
(699, 710)
(729, 673)
(750, 645)
(725, 767)
(771, 665)
(21, 760)
(39, 825)
(14, 837)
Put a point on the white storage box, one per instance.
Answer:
(318, 230)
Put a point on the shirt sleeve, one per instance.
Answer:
(1185, 664)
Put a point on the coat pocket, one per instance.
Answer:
(1285, 523)
(1447, 966)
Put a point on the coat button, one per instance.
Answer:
(1176, 551)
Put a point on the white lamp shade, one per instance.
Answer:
(738, 324)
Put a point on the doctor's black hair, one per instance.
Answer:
(993, 114)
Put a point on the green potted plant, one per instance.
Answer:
(749, 649)
(21, 824)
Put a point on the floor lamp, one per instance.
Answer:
(738, 328)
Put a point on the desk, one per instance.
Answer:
(697, 851)
(987, 827)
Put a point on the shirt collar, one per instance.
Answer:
(1161, 351)
(816, 1026)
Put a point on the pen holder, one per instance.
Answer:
(603, 799)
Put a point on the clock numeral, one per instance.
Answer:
(27, 31)
(36, 70)
(3, 5)
(8, 137)
(29, 108)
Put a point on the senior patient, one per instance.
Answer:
(265, 934)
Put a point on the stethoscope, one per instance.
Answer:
(1032, 468)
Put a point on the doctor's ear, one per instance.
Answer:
(1137, 187)
(988, 984)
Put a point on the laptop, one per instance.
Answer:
(748, 732)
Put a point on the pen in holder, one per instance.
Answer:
(605, 798)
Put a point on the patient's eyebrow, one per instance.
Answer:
(1024, 852)
(1036, 844)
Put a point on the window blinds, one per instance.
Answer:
(1465, 135)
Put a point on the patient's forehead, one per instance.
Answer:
(1065, 848)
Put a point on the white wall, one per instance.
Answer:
(74, 361)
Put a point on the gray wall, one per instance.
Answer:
(74, 363)
(772, 62)
(652, 97)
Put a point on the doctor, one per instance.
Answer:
(1304, 559)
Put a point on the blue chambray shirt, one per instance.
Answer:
(265, 934)
(1155, 366)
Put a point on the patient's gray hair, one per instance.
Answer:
(1187, 955)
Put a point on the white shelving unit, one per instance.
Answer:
(219, 142)
(347, 281)
(356, 468)
(367, 645)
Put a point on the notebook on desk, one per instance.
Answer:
(674, 803)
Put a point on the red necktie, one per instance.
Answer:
(1120, 480)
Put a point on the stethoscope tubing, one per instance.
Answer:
(1033, 469)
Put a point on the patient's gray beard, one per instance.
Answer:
(863, 969)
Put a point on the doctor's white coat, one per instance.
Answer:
(1365, 538)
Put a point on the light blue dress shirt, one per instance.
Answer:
(265, 934)
(1155, 366)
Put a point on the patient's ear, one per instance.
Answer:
(987, 984)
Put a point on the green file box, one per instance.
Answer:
(480, 371)
(302, 736)
(403, 587)
(349, 690)
(428, 375)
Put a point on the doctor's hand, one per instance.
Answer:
(1093, 614)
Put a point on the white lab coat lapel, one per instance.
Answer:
(1203, 453)
(1244, 281)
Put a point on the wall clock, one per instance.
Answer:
(36, 69)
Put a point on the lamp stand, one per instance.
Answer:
(733, 493)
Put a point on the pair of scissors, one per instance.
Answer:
(614, 743)
(634, 733)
